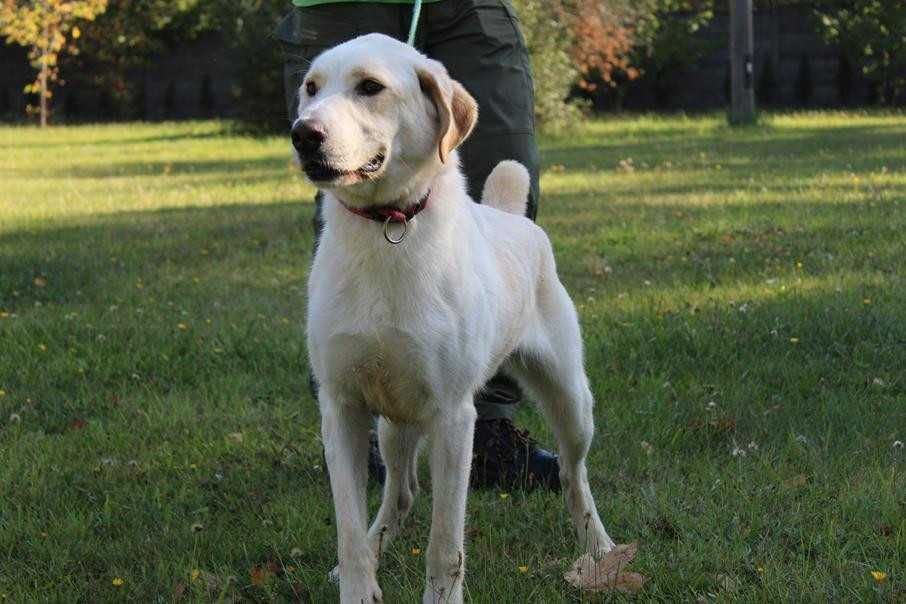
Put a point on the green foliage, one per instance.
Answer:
(663, 42)
(128, 36)
(666, 41)
(47, 28)
(133, 32)
(873, 32)
(258, 63)
(549, 40)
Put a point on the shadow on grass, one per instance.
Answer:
(93, 258)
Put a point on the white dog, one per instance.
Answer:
(410, 331)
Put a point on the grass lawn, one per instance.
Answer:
(743, 297)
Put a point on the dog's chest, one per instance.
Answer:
(387, 371)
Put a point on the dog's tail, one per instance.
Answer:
(507, 187)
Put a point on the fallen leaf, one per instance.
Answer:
(77, 424)
(259, 575)
(608, 574)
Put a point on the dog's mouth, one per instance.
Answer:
(320, 171)
(373, 165)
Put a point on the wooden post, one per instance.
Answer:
(742, 63)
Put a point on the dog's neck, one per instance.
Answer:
(408, 199)
(397, 212)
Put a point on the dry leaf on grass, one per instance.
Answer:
(608, 574)
(260, 575)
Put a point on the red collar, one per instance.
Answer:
(390, 213)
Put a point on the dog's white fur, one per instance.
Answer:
(410, 332)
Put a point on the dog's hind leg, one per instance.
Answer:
(399, 450)
(451, 436)
(344, 430)
(549, 366)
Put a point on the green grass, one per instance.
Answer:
(735, 287)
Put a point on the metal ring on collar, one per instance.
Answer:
(387, 231)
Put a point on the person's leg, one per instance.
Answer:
(481, 46)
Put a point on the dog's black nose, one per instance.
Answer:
(307, 136)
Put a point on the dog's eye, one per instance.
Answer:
(369, 87)
(311, 88)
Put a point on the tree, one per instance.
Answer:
(873, 31)
(549, 43)
(43, 27)
(666, 40)
(604, 43)
(620, 41)
(127, 37)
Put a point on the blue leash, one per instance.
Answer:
(416, 13)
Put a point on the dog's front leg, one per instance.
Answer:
(344, 429)
(451, 436)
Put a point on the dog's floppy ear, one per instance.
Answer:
(457, 111)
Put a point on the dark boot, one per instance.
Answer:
(505, 457)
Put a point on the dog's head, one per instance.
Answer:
(377, 118)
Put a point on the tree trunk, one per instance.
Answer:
(742, 63)
(43, 92)
(43, 79)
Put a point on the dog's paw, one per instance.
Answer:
(362, 594)
(442, 595)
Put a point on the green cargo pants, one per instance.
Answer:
(481, 46)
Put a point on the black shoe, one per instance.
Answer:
(507, 458)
